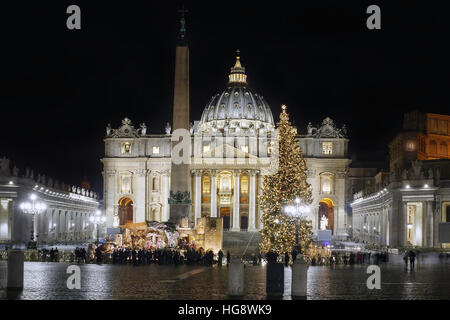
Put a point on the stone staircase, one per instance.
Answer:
(236, 243)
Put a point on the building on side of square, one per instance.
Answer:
(406, 206)
(65, 221)
(325, 150)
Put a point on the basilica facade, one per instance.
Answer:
(233, 147)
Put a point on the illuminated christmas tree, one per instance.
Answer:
(282, 188)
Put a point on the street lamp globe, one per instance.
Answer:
(32, 207)
(297, 211)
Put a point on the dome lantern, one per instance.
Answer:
(237, 74)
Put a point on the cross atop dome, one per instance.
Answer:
(237, 74)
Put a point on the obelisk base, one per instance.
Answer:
(178, 212)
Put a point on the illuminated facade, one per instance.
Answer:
(236, 122)
(65, 220)
(406, 207)
(425, 136)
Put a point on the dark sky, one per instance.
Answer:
(59, 88)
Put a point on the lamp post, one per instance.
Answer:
(98, 220)
(299, 276)
(32, 207)
(297, 211)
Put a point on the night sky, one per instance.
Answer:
(59, 88)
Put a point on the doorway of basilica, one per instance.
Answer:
(326, 214)
(125, 211)
(225, 215)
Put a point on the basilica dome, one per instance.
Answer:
(237, 106)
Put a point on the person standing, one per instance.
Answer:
(412, 259)
(286, 259)
(405, 259)
(219, 258)
(228, 258)
(133, 257)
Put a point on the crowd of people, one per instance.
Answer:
(164, 256)
(49, 255)
(189, 255)
(350, 258)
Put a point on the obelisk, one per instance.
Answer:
(180, 199)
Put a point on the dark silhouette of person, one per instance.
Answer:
(286, 259)
(228, 258)
(412, 259)
(352, 258)
(405, 259)
(98, 253)
(219, 258)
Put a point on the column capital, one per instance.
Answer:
(197, 173)
(236, 173)
(253, 172)
(110, 171)
(165, 172)
(213, 172)
(141, 172)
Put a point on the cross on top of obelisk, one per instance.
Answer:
(182, 33)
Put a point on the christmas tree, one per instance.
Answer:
(282, 188)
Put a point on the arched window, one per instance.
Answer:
(433, 147)
(444, 149)
(326, 183)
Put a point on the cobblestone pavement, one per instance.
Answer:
(431, 280)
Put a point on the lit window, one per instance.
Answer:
(155, 149)
(126, 148)
(206, 187)
(327, 147)
(326, 182)
(205, 148)
(244, 148)
(244, 185)
(410, 146)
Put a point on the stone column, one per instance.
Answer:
(252, 203)
(428, 239)
(141, 195)
(198, 195)
(110, 182)
(62, 225)
(236, 201)
(57, 220)
(166, 207)
(437, 217)
(213, 193)
(402, 227)
(260, 212)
